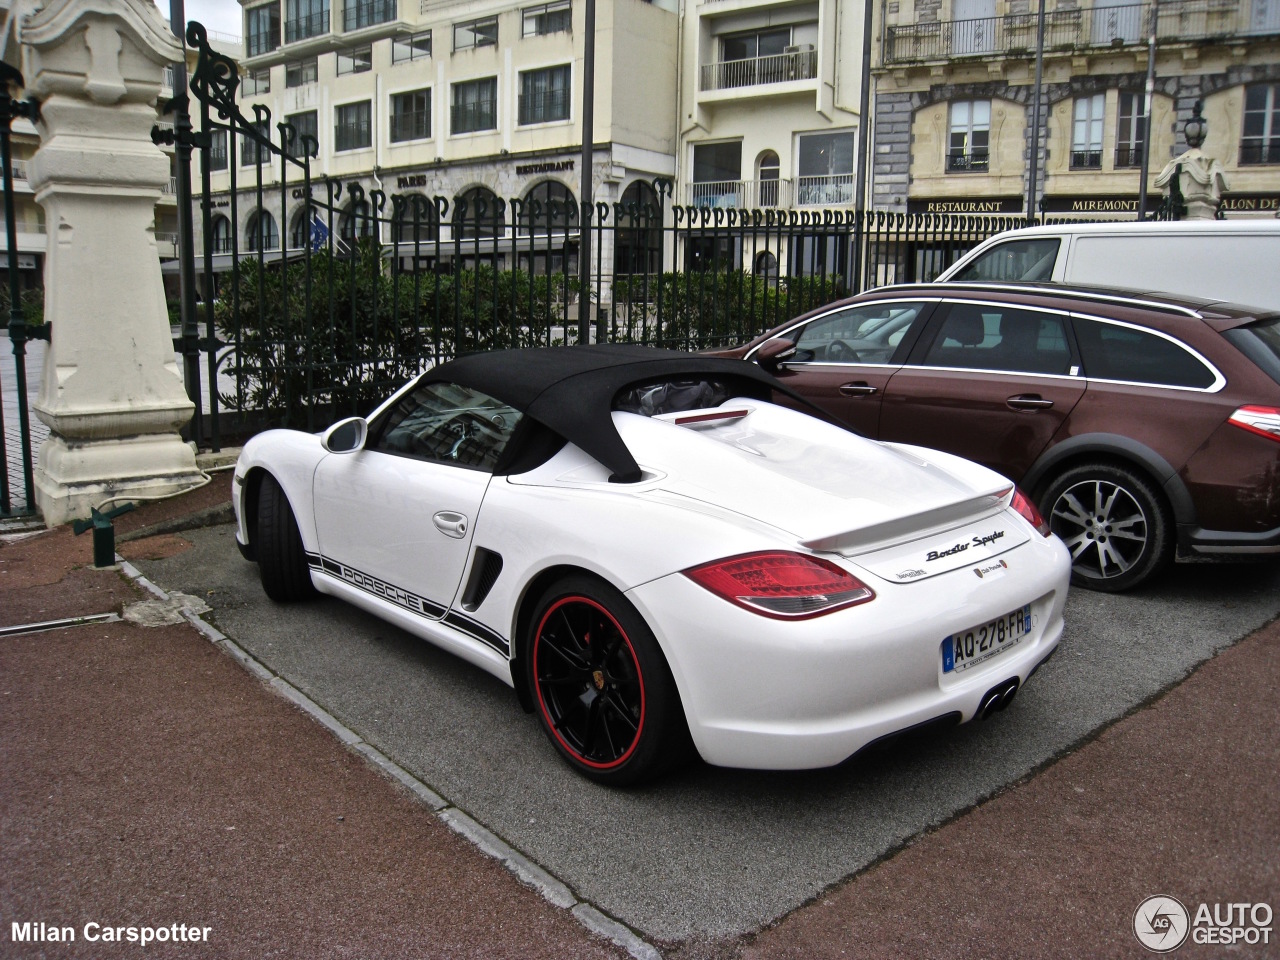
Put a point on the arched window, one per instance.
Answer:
(637, 244)
(478, 213)
(300, 229)
(221, 228)
(417, 222)
(549, 207)
(357, 221)
(767, 175)
(766, 267)
(262, 233)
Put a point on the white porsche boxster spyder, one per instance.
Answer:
(655, 554)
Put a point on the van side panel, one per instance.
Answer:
(1235, 267)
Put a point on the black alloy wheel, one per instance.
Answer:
(604, 693)
(1115, 524)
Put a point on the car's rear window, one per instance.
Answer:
(1260, 342)
(1115, 351)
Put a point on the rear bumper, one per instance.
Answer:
(758, 693)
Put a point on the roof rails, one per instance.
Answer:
(1054, 290)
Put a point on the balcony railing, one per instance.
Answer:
(358, 14)
(1112, 25)
(831, 190)
(306, 27)
(1086, 159)
(746, 194)
(19, 168)
(968, 162)
(1254, 151)
(544, 107)
(778, 68)
(1129, 155)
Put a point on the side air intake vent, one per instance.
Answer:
(484, 574)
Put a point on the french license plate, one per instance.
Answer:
(968, 648)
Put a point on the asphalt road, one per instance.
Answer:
(712, 852)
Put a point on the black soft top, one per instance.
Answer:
(572, 390)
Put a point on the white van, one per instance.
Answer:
(1233, 260)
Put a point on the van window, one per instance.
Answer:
(1028, 260)
(1119, 352)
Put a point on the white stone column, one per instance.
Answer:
(112, 393)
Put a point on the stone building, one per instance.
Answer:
(955, 83)
(462, 100)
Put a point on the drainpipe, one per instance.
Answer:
(1149, 97)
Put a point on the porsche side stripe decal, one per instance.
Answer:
(408, 601)
(479, 631)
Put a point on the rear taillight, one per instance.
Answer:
(1024, 508)
(782, 585)
(1264, 421)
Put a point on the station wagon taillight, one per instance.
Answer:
(782, 585)
(1264, 421)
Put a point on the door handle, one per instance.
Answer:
(859, 389)
(451, 524)
(1029, 401)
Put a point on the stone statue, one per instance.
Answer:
(1198, 178)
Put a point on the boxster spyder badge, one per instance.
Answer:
(605, 528)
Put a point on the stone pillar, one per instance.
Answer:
(112, 394)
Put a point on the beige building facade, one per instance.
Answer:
(474, 101)
(954, 93)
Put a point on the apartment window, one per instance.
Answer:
(544, 95)
(256, 82)
(768, 167)
(969, 135)
(825, 169)
(216, 155)
(717, 174)
(262, 29)
(548, 18)
(351, 126)
(1131, 125)
(475, 106)
(416, 47)
(763, 56)
(221, 234)
(475, 33)
(251, 148)
(410, 116)
(304, 19)
(300, 72)
(166, 78)
(1261, 140)
(357, 14)
(262, 233)
(307, 125)
(355, 60)
(1086, 132)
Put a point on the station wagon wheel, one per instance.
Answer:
(1113, 521)
(282, 559)
(604, 693)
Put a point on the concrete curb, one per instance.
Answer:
(553, 890)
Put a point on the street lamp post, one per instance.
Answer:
(588, 138)
(1032, 185)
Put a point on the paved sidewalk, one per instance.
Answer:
(149, 780)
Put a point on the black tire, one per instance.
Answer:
(1114, 521)
(282, 561)
(601, 687)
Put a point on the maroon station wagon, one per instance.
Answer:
(1142, 425)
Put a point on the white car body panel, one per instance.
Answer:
(757, 692)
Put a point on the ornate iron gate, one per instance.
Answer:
(17, 482)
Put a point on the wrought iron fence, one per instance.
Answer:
(336, 293)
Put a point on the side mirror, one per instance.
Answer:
(774, 353)
(346, 436)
